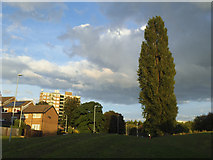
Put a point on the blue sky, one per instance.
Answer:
(92, 49)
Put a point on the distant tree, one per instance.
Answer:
(42, 103)
(114, 122)
(84, 117)
(70, 105)
(203, 122)
(181, 128)
(156, 78)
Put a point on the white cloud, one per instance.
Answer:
(16, 37)
(82, 76)
(143, 27)
(81, 26)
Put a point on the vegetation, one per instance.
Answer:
(84, 118)
(203, 122)
(22, 127)
(156, 78)
(114, 122)
(71, 104)
(42, 103)
(108, 146)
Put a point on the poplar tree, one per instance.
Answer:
(156, 74)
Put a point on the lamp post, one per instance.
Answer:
(94, 119)
(11, 127)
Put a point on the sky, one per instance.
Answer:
(92, 50)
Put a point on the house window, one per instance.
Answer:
(36, 115)
(36, 126)
(5, 110)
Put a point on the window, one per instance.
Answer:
(5, 110)
(36, 126)
(36, 115)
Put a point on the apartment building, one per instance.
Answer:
(56, 99)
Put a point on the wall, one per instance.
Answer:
(50, 122)
(5, 131)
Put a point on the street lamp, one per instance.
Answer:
(11, 127)
(94, 119)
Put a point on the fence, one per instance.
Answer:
(5, 131)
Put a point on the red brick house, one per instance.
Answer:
(42, 118)
(7, 108)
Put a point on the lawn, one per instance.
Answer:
(108, 146)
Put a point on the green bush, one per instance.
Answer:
(16, 125)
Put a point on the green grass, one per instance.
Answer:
(108, 146)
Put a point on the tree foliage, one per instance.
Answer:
(114, 122)
(156, 79)
(203, 122)
(70, 105)
(42, 103)
(84, 117)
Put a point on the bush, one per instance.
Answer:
(22, 127)
(181, 128)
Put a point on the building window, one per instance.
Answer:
(36, 115)
(36, 126)
(4, 110)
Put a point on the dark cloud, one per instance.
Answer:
(189, 31)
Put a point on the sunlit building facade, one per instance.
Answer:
(56, 99)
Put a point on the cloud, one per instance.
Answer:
(83, 76)
(189, 28)
(6, 91)
(51, 12)
(108, 61)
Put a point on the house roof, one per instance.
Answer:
(37, 109)
(18, 104)
(5, 100)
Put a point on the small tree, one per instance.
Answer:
(84, 118)
(42, 103)
(114, 122)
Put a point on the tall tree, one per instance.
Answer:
(156, 74)
(71, 104)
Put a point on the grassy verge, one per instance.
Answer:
(108, 146)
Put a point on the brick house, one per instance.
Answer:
(7, 108)
(6, 100)
(42, 118)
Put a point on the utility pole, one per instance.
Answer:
(11, 127)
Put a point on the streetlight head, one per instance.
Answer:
(20, 75)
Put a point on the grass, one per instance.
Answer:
(108, 146)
